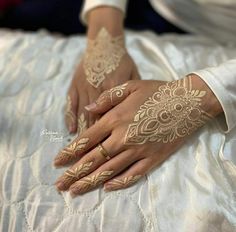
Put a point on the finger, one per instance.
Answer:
(71, 109)
(109, 98)
(93, 95)
(130, 176)
(82, 114)
(86, 141)
(94, 159)
(103, 173)
(135, 73)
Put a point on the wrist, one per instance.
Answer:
(108, 17)
(210, 103)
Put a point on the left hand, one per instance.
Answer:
(146, 122)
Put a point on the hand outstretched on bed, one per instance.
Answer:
(142, 123)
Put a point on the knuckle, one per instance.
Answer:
(115, 118)
(132, 82)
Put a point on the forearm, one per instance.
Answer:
(109, 17)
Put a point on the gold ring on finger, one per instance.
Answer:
(103, 151)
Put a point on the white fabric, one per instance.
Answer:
(211, 19)
(91, 4)
(222, 79)
(220, 2)
(193, 191)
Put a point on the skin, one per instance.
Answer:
(126, 160)
(81, 92)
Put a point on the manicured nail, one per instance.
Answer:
(71, 128)
(91, 106)
(57, 162)
(107, 188)
(59, 186)
(73, 192)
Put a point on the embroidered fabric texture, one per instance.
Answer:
(102, 57)
(172, 112)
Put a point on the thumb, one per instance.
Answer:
(108, 99)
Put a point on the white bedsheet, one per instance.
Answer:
(194, 190)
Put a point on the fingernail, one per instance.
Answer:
(57, 163)
(73, 195)
(107, 188)
(59, 186)
(73, 192)
(91, 106)
(71, 128)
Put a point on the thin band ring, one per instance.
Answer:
(103, 151)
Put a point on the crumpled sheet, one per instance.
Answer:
(194, 190)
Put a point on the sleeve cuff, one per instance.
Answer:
(221, 82)
(91, 4)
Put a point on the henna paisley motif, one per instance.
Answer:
(102, 57)
(172, 112)
(112, 94)
(117, 91)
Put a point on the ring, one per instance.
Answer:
(103, 151)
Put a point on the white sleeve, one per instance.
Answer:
(222, 81)
(90, 4)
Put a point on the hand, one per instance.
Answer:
(81, 93)
(105, 64)
(146, 122)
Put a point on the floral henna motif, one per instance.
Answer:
(102, 57)
(69, 113)
(82, 124)
(172, 112)
(68, 153)
(79, 171)
(75, 174)
(88, 183)
(116, 184)
(117, 91)
(110, 95)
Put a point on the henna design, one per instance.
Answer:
(79, 171)
(116, 184)
(172, 112)
(82, 124)
(117, 91)
(87, 183)
(69, 113)
(102, 57)
(69, 152)
(75, 174)
(110, 94)
(72, 175)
